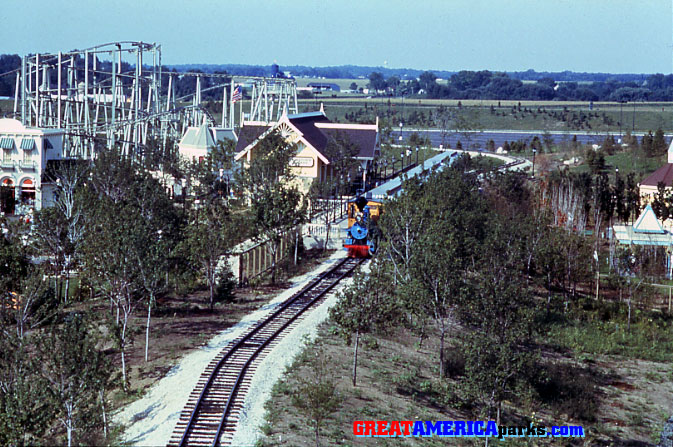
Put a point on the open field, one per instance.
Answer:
(476, 114)
(480, 115)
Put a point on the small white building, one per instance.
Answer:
(25, 153)
(197, 141)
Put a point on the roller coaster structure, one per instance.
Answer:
(113, 94)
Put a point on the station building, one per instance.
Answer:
(312, 132)
(25, 154)
(649, 186)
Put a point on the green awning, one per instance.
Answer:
(6, 143)
(27, 144)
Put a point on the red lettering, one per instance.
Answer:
(370, 428)
(358, 428)
(395, 428)
(381, 427)
(406, 425)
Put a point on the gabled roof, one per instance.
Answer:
(363, 136)
(316, 130)
(648, 222)
(249, 134)
(663, 174)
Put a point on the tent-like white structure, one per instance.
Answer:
(647, 230)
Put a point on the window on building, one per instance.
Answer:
(27, 156)
(6, 155)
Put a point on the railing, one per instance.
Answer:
(27, 165)
(338, 208)
(320, 230)
(7, 164)
(255, 260)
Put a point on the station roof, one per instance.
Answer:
(663, 174)
(393, 187)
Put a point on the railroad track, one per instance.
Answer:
(213, 408)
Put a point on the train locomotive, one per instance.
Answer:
(361, 234)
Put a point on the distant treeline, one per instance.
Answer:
(354, 71)
(488, 85)
(484, 84)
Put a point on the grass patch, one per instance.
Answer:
(649, 338)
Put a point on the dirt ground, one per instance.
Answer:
(397, 380)
(182, 324)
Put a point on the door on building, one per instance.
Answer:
(7, 196)
(28, 192)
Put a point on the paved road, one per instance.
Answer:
(479, 139)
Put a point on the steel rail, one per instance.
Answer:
(350, 263)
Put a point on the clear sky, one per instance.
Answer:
(619, 36)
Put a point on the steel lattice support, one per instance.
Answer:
(112, 94)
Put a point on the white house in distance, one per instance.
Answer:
(25, 153)
(197, 141)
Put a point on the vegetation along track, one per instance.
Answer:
(211, 413)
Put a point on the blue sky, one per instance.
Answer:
(619, 36)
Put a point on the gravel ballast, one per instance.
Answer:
(150, 420)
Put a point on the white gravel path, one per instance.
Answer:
(150, 420)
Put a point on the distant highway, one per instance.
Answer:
(478, 139)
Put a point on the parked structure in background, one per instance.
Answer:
(312, 132)
(25, 154)
(318, 87)
(118, 94)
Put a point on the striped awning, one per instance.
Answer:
(6, 143)
(27, 144)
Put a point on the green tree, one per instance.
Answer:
(647, 144)
(376, 81)
(75, 371)
(363, 307)
(316, 395)
(659, 146)
(660, 204)
(427, 79)
(25, 412)
(277, 205)
(497, 355)
(342, 153)
(210, 237)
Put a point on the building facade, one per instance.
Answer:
(25, 153)
(311, 133)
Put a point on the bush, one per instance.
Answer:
(226, 283)
(568, 389)
(454, 363)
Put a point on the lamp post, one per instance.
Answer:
(401, 126)
(402, 160)
(621, 118)
(184, 193)
(534, 151)
(417, 155)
